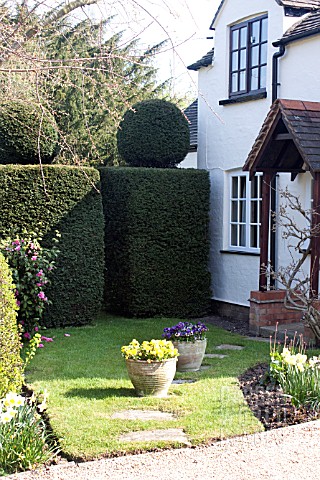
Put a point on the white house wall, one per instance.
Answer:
(226, 135)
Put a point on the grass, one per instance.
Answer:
(87, 382)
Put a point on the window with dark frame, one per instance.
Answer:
(248, 56)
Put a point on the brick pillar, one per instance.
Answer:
(267, 309)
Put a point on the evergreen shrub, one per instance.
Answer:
(20, 125)
(156, 241)
(11, 369)
(154, 133)
(69, 202)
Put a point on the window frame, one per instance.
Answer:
(247, 90)
(248, 224)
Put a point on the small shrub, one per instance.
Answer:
(26, 134)
(154, 133)
(31, 266)
(23, 435)
(11, 369)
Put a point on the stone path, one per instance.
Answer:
(169, 434)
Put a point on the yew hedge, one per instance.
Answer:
(156, 241)
(66, 199)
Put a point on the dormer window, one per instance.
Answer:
(248, 56)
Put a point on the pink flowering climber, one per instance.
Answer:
(40, 273)
(42, 296)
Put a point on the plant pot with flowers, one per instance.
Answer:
(190, 340)
(151, 366)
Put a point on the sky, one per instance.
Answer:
(184, 23)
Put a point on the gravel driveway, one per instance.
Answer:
(286, 453)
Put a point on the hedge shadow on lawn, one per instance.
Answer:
(100, 393)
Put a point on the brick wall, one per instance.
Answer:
(267, 308)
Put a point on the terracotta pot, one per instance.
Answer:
(151, 379)
(190, 355)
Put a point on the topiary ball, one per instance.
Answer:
(20, 126)
(155, 133)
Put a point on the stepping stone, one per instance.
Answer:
(171, 434)
(204, 367)
(215, 355)
(143, 415)
(180, 381)
(226, 346)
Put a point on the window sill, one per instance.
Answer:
(241, 252)
(248, 97)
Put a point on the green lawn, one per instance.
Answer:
(87, 381)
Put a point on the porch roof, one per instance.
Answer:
(289, 140)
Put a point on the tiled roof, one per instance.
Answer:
(305, 27)
(289, 138)
(191, 112)
(304, 4)
(205, 61)
(300, 3)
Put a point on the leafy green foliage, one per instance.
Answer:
(31, 267)
(71, 204)
(154, 133)
(23, 435)
(11, 371)
(90, 102)
(156, 241)
(26, 134)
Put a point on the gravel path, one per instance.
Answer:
(286, 453)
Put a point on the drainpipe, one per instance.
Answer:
(275, 69)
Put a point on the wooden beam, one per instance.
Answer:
(283, 136)
(264, 230)
(315, 241)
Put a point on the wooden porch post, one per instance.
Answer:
(315, 241)
(264, 230)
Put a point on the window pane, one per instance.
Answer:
(234, 241)
(242, 210)
(243, 37)
(235, 61)
(264, 30)
(255, 56)
(255, 32)
(234, 187)
(243, 58)
(254, 212)
(235, 39)
(234, 212)
(243, 78)
(264, 52)
(254, 187)
(254, 236)
(242, 193)
(234, 82)
(254, 77)
(263, 77)
(242, 242)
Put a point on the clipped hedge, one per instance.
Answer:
(20, 125)
(69, 202)
(156, 241)
(11, 369)
(154, 133)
